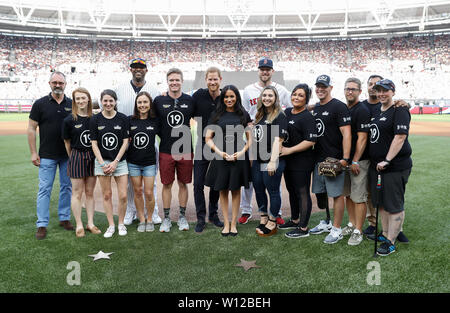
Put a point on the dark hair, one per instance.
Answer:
(109, 92)
(374, 76)
(151, 113)
(306, 89)
(221, 107)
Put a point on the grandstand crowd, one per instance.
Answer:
(417, 63)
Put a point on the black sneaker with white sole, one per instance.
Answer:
(297, 233)
(288, 225)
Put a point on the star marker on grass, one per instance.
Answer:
(101, 255)
(246, 265)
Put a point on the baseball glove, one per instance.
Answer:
(330, 167)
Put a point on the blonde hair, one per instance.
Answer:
(261, 108)
(75, 105)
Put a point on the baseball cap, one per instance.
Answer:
(265, 62)
(138, 62)
(324, 80)
(386, 84)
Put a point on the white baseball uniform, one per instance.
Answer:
(126, 97)
(249, 102)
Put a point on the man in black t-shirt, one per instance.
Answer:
(205, 101)
(356, 180)
(48, 113)
(334, 140)
(175, 149)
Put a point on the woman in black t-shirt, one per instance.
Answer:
(141, 157)
(390, 160)
(229, 169)
(299, 156)
(109, 137)
(269, 131)
(80, 168)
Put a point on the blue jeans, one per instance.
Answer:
(47, 172)
(262, 182)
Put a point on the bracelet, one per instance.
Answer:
(102, 165)
(388, 162)
(355, 162)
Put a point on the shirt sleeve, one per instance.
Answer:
(282, 123)
(35, 112)
(66, 128)
(310, 128)
(285, 99)
(362, 120)
(343, 115)
(246, 100)
(402, 118)
(93, 130)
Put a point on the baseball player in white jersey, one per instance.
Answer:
(249, 101)
(126, 95)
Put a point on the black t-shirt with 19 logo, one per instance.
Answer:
(109, 134)
(141, 150)
(384, 126)
(174, 113)
(78, 132)
(329, 118)
(264, 134)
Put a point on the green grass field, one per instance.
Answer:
(188, 262)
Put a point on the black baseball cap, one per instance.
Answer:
(323, 80)
(265, 62)
(386, 84)
(138, 62)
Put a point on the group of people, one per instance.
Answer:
(244, 143)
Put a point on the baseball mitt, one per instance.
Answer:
(331, 167)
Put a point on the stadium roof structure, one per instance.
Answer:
(228, 19)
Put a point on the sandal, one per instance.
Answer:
(268, 232)
(260, 226)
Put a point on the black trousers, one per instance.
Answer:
(298, 184)
(200, 169)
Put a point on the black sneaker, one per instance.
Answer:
(216, 221)
(199, 227)
(381, 237)
(289, 225)
(297, 233)
(386, 248)
(369, 230)
(402, 238)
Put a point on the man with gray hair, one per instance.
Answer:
(48, 113)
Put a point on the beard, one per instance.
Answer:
(58, 91)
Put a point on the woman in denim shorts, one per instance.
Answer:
(109, 138)
(141, 157)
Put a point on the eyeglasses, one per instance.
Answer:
(351, 90)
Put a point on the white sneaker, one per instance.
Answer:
(156, 219)
(348, 230)
(356, 238)
(149, 227)
(109, 232)
(122, 230)
(182, 223)
(130, 216)
(334, 236)
(141, 227)
(165, 225)
(322, 227)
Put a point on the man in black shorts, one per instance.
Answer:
(205, 101)
(48, 113)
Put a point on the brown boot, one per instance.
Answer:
(66, 224)
(41, 233)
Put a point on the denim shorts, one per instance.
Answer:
(121, 169)
(140, 170)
